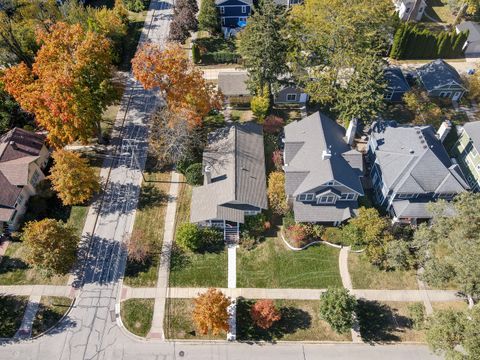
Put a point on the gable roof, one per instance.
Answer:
(18, 143)
(472, 129)
(438, 74)
(395, 79)
(235, 158)
(413, 160)
(233, 83)
(233, 2)
(305, 169)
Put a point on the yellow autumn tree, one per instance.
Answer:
(72, 178)
(276, 193)
(210, 312)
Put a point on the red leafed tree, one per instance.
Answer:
(264, 314)
(273, 124)
(171, 71)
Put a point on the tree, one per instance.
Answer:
(189, 237)
(260, 106)
(72, 178)
(450, 248)
(139, 249)
(263, 47)
(196, 57)
(273, 124)
(208, 17)
(474, 84)
(70, 83)
(194, 175)
(184, 21)
(264, 314)
(276, 193)
(134, 5)
(10, 113)
(169, 70)
(51, 245)
(210, 313)
(445, 331)
(337, 307)
(426, 112)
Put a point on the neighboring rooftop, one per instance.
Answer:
(473, 131)
(233, 83)
(305, 167)
(438, 74)
(413, 160)
(473, 29)
(395, 80)
(235, 160)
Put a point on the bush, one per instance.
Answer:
(289, 219)
(417, 314)
(277, 158)
(247, 241)
(195, 54)
(139, 249)
(134, 5)
(264, 314)
(189, 237)
(255, 225)
(314, 231)
(220, 57)
(332, 235)
(260, 106)
(297, 235)
(336, 308)
(273, 124)
(193, 174)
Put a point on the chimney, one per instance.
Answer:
(326, 154)
(13, 145)
(351, 131)
(444, 130)
(208, 174)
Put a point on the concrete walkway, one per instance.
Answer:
(232, 266)
(37, 290)
(343, 267)
(25, 330)
(161, 290)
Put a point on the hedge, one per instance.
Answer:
(411, 42)
(220, 57)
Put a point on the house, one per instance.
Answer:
(441, 80)
(290, 94)
(410, 10)
(234, 179)
(23, 157)
(233, 86)
(234, 13)
(409, 168)
(288, 3)
(466, 151)
(322, 171)
(472, 45)
(397, 85)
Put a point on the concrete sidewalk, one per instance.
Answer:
(37, 290)
(25, 330)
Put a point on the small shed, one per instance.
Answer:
(233, 86)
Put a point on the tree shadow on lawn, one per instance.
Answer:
(151, 196)
(9, 264)
(292, 320)
(378, 322)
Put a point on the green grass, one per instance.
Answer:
(241, 115)
(137, 315)
(453, 305)
(300, 321)
(439, 11)
(50, 311)
(272, 265)
(12, 309)
(178, 323)
(149, 222)
(366, 276)
(209, 45)
(383, 322)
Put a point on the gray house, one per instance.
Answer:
(234, 179)
(290, 94)
(233, 86)
(441, 80)
(322, 171)
(410, 168)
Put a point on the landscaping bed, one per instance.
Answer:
(272, 265)
(149, 224)
(50, 311)
(12, 309)
(299, 321)
(384, 322)
(367, 276)
(178, 323)
(137, 315)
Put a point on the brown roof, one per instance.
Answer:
(18, 143)
(8, 192)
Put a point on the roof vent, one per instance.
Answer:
(412, 151)
(326, 154)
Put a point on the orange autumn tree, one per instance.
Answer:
(171, 71)
(210, 312)
(69, 84)
(264, 314)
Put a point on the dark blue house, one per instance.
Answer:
(234, 13)
(397, 85)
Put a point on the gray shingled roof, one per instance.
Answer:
(437, 74)
(473, 29)
(413, 160)
(473, 131)
(305, 170)
(407, 209)
(395, 79)
(308, 212)
(233, 83)
(235, 156)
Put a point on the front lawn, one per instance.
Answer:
(50, 311)
(367, 276)
(137, 315)
(178, 323)
(12, 309)
(272, 265)
(149, 223)
(383, 322)
(300, 321)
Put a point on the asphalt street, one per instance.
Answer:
(90, 330)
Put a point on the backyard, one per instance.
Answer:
(299, 321)
(272, 265)
(216, 49)
(367, 276)
(137, 315)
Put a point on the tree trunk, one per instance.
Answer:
(100, 139)
(460, 14)
(471, 303)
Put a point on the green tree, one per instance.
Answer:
(51, 245)
(260, 105)
(446, 331)
(337, 308)
(196, 53)
(193, 174)
(189, 237)
(208, 17)
(263, 47)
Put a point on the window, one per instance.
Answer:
(329, 199)
(20, 199)
(388, 95)
(35, 178)
(222, 10)
(305, 197)
(446, 195)
(348, 196)
(474, 152)
(243, 19)
(250, 212)
(223, 21)
(406, 196)
(244, 9)
(291, 97)
(445, 94)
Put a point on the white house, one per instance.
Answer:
(410, 10)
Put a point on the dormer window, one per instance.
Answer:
(328, 199)
(306, 197)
